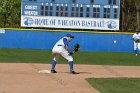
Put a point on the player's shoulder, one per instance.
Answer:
(134, 34)
(138, 34)
(65, 38)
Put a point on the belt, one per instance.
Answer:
(59, 45)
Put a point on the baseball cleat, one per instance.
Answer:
(73, 72)
(53, 71)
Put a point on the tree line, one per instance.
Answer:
(10, 13)
(128, 16)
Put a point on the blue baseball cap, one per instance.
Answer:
(69, 35)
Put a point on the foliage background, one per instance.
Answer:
(10, 13)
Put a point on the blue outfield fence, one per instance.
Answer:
(37, 39)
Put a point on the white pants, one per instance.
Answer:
(63, 52)
(136, 46)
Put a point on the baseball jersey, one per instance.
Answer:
(136, 36)
(60, 45)
(62, 42)
(136, 44)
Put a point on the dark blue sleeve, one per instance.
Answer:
(65, 41)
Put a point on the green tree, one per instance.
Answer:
(10, 13)
(138, 13)
(128, 15)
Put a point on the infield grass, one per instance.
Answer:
(116, 85)
(45, 56)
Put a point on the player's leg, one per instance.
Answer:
(67, 56)
(138, 46)
(55, 52)
(135, 48)
(54, 61)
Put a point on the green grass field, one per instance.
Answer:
(116, 85)
(108, 85)
(45, 56)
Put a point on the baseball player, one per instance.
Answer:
(136, 38)
(61, 48)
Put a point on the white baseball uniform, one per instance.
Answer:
(59, 48)
(136, 44)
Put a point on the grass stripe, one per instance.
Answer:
(93, 58)
(116, 85)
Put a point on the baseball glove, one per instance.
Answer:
(76, 47)
(136, 40)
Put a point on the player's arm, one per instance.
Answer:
(75, 49)
(133, 36)
(65, 43)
